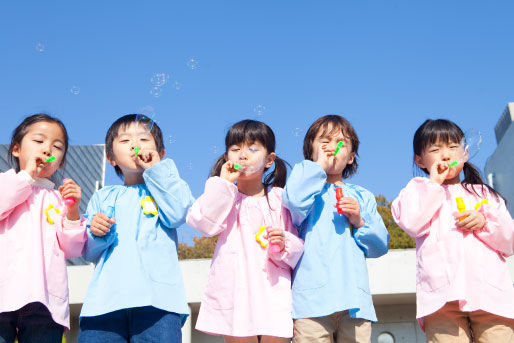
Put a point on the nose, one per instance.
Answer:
(445, 154)
(46, 150)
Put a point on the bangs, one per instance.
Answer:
(332, 128)
(436, 131)
(249, 131)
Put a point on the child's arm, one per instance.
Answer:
(72, 236)
(96, 245)
(372, 237)
(292, 250)
(306, 181)
(170, 192)
(498, 231)
(16, 188)
(416, 205)
(210, 211)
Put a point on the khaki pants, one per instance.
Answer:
(450, 325)
(338, 327)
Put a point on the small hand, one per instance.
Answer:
(439, 171)
(352, 210)
(325, 156)
(101, 224)
(229, 173)
(277, 236)
(35, 165)
(473, 220)
(146, 158)
(71, 190)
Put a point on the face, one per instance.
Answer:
(326, 142)
(129, 137)
(42, 140)
(253, 156)
(445, 152)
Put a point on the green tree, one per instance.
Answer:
(203, 247)
(399, 239)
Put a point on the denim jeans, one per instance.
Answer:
(140, 324)
(32, 323)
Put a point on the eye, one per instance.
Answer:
(124, 141)
(144, 139)
(58, 147)
(253, 149)
(38, 141)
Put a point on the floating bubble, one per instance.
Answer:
(215, 150)
(159, 79)
(192, 63)
(177, 85)
(40, 47)
(296, 132)
(190, 165)
(472, 142)
(75, 90)
(146, 121)
(171, 139)
(259, 109)
(156, 91)
(147, 110)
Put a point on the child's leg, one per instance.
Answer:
(448, 325)
(150, 324)
(35, 325)
(272, 339)
(110, 327)
(353, 330)
(8, 326)
(230, 339)
(319, 329)
(488, 327)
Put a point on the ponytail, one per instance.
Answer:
(277, 178)
(216, 168)
(472, 177)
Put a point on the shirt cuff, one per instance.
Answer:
(70, 224)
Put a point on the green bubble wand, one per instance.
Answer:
(50, 159)
(340, 144)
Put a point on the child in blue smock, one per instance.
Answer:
(331, 297)
(137, 292)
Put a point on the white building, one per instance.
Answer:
(392, 284)
(499, 169)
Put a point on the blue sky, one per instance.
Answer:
(385, 65)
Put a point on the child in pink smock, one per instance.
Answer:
(38, 231)
(463, 234)
(248, 293)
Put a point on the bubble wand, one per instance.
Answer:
(50, 159)
(339, 146)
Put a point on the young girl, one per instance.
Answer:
(248, 294)
(37, 233)
(463, 285)
(341, 228)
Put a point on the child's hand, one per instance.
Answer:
(438, 171)
(277, 236)
(70, 189)
(146, 158)
(35, 165)
(101, 224)
(473, 220)
(352, 210)
(229, 173)
(325, 157)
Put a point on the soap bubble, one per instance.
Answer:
(192, 63)
(171, 139)
(147, 110)
(156, 91)
(146, 121)
(259, 110)
(40, 47)
(177, 85)
(159, 79)
(75, 90)
(472, 142)
(190, 165)
(215, 150)
(296, 132)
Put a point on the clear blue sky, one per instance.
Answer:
(386, 65)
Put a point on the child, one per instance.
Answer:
(331, 297)
(463, 284)
(136, 293)
(37, 233)
(248, 293)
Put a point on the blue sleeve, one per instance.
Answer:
(372, 237)
(95, 246)
(306, 181)
(170, 192)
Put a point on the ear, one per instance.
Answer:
(162, 153)
(418, 161)
(351, 158)
(270, 159)
(111, 161)
(16, 150)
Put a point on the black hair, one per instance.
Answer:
(443, 130)
(338, 124)
(125, 121)
(21, 130)
(252, 131)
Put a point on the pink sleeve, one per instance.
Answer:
(210, 211)
(498, 231)
(16, 189)
(416, 205)
(72, 237)
(293, 250)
